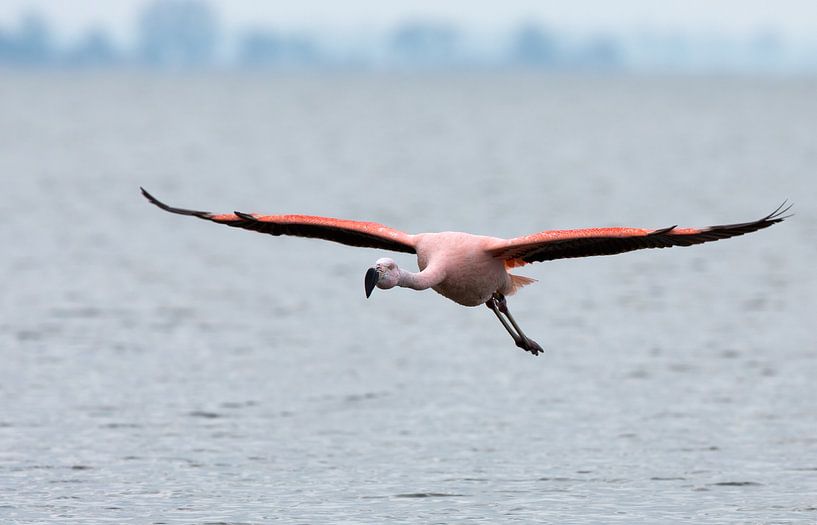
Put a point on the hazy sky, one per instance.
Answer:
(792, 18)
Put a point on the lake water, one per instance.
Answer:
(160, 369)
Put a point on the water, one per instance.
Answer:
(159, 369)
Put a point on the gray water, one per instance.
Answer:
(160, 369)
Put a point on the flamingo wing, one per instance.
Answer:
(352, 233)
(562, 244)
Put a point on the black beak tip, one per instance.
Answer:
(370, 281)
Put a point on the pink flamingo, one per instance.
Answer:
(473, 269)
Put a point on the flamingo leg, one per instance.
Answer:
(495, 309)
(499, 306)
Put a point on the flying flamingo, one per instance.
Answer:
(473, 269)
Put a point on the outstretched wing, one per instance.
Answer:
(562, 244)
(352, 233)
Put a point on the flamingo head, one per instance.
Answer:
(384, 274)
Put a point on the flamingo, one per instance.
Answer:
(473, 269)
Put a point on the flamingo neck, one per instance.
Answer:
(420, 281)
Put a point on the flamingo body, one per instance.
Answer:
(473, 269)
(471, 274)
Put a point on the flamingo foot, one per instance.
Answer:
(529, 345)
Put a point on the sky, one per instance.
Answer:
(794, 19)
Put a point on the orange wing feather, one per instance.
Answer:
(561, 244)
(351, 233)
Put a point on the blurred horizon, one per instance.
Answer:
(199, 34)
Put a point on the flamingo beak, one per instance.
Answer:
(370, 280)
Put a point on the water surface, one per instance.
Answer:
(159, 369)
